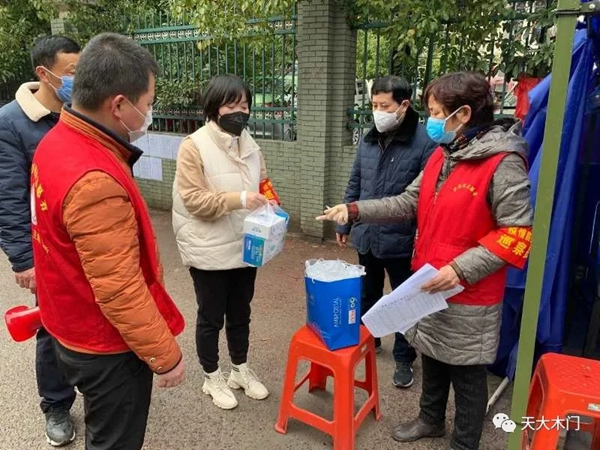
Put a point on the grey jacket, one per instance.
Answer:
(464, 334)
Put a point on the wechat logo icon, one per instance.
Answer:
(501, 420)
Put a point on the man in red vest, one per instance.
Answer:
(100, 287)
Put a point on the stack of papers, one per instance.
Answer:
(406, 305)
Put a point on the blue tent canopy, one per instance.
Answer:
(557, 269)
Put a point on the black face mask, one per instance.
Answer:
(234, 123)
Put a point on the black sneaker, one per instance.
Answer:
(403, 376)
(60, 429)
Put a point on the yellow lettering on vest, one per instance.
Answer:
(505, 241)
(44, 205)
(467, 186)
(520, 248)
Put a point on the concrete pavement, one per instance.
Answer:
(184, 418)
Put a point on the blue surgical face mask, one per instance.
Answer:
(65, 91)
(436, 129)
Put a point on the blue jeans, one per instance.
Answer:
(398, 270)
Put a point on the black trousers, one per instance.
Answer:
(53, 386)
(398, 270)
(116, 396)
(224, 298)
(470, 397)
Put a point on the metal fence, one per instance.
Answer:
(267, 65)
(442, 53)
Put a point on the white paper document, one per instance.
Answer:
(405, 306)
(149, 168)
(159, 145)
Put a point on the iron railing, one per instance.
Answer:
(377, 56)
(268, 66)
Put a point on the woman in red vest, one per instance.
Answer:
(474, 216)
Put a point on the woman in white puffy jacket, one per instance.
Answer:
(220, 169)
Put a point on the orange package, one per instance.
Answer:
(267, 189)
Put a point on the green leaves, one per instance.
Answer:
(455, 34)
(227, 20)
(472, 34)
(483, 35)
(21, 21)
(172, 93)
(118, 16)
(528, 46)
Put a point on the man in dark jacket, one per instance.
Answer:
(23, 123)
(389, 158)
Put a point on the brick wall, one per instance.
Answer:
(342, 159)
(326, 79)
(283, 166)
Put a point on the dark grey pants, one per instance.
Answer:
(116, 397)
(398, 270)
(53, 388)
(471, 397)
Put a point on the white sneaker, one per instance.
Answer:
(216, 386)
(243, 378)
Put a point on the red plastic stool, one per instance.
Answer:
(562, 386)
(341, 365)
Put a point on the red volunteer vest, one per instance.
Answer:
(455, 220)
(67, 303)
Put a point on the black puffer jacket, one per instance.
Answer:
(385, 165)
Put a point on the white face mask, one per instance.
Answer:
(385, 121)
(134, 135)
